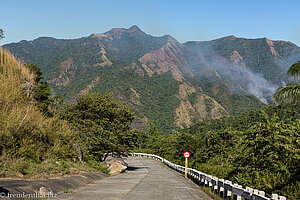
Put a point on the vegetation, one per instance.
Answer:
(155, 100)
(259, 149)
(1, 34)
(26, 134)
(41, 92)
(102, 125)
(24, 168)
(35, 140)
(158, 93)
(291, 92)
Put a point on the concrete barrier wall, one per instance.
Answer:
(224, 188)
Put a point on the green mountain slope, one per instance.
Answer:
(173, 84)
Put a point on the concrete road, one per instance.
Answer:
(146, 179)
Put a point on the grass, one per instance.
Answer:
(29, 169)
(213, 195)
(33, 145)
(67, 191)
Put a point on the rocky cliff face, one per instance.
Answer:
(172, 84)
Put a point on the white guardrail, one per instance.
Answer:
(222, 187)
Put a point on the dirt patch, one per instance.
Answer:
(163, 60)
(66, 71)
(271, 45)
(183, 118)
(185, 90)
(204, 107)
(135, 93)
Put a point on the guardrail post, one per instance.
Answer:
(193, 175)
(249, 193)
(227, 189)
(221, 187)
(261, 193)
(274, 197)
(237, 194)
(215, 189)
(202, 179)
(205, 183)
(198, 178)
(209, 181)
(215, 184)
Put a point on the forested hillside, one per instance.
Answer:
(258, 149)
(171, 84)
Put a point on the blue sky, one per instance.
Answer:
(185, 20)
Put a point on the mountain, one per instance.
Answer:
(164, 81)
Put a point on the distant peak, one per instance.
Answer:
(230, 37)
(132, 30)
(116, 30)
(135, 28)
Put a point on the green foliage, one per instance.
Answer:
(31, 142)
(294, 70)
(290, 92)
(42, 95)
(1, 34)
(95, 164)
(157, 94)
(42, 92)
(35, 70)
(259, 149)
(102, 124)
(24, 131)
(24, 168)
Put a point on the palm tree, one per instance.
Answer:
(1, 34)
(290, 92)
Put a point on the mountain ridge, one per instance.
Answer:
(225, 76)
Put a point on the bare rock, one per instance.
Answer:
(115, 165)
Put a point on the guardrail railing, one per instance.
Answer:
(224, 188)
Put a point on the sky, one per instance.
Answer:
(186, 20)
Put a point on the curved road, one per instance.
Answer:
(146, 179)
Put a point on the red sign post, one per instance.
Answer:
(186, 155)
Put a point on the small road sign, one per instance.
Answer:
(186, 154)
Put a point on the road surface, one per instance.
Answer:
(146, 179)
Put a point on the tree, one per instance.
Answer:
(290, 92)
(102, 124)
(41, 92)
(36, 71)
(1, 34)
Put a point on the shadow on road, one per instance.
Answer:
(130, 168)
